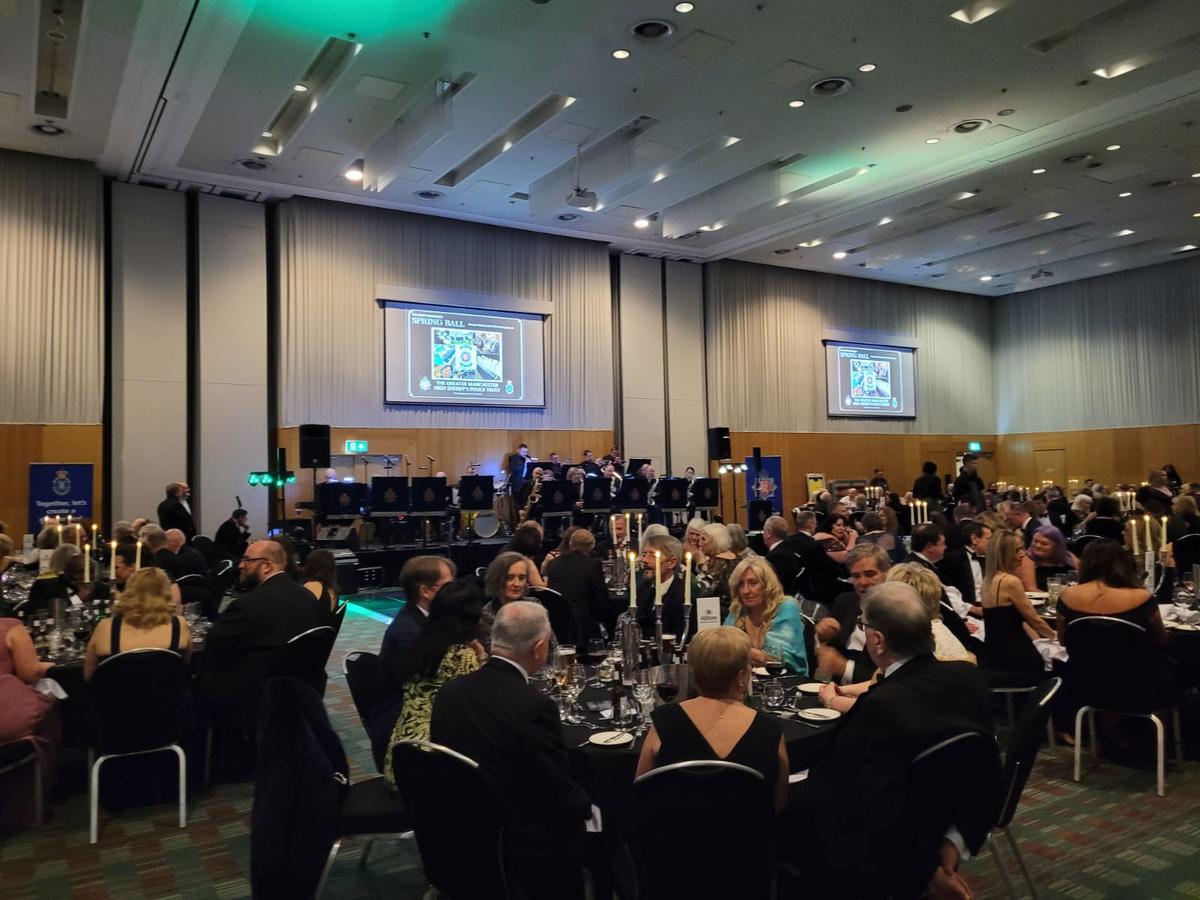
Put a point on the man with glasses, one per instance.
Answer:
(245, 640)
(842, 651)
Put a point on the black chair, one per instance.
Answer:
(339, 617)
(17, 755)
(136, 697)
(1187, 552)
(1079, 543)
(562, 623)
(306, 655)
(203, 545)
(361, 668)
(370, 812)
(1022, 752)
(222, 576)
(670, 812)
(436, 785)
(1114, 668)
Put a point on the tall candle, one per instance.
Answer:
(68, 518)
(1162, 538)
(60, 534)
(137, 557)
(94, 527)
(1133, 533)
(657, 576)
(627, 534)
(87, 563)
(639, 526)
(612, 526)
(1149, 539)
(632, 579)
(687, 578)
(112, 561)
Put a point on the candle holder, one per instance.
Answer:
(658, 631)
(681, 644)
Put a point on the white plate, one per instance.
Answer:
(812, 687)
(1037, 601)
(1035, 595)
(611, 738)
(819, 714)
(760, 671)
(1182, 626)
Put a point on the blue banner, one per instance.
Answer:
(767, 484)
(59, 489)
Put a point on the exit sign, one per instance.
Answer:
(973, 446)
(356, 446)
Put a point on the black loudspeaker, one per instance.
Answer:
(757, 460)
(719, 446)
(314, 446)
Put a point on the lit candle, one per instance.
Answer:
(639, 526)
(657, 576)
(60, 533)
(612, 526)
(1149, 539)
(94, 527)
(68, 518)
(137, 557)
(632, 579)
(1162, 538)
(687, 578)
(627, 534)
(112, 561)
(87, 563)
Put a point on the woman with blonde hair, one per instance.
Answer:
(144, 616)
(945, 645)
(1011, 621)
(770, 618)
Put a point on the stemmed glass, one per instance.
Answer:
(643, 693)
(571, 690)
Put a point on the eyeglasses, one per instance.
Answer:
(247, 559)
(863, 624)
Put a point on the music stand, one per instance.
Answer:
(632, 495)
(671, 494)
(475, 493)
(597, 495)
(706, 493)
(634, 465)
(389, 496)
(430, 498)
(558, 498)
(341, 500)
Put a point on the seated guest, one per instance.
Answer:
(715, 564)
(558, 551)
(319, 577)
(691, 537)
(507, 580)
(837, 538)
(669, 560)
(739, 544)
(60, 581)
(655, 530)
(1021, 516)
(579, 577)
(1081, 508)
(527, 540)
(1012, 623)
(717, 725)
(849, 811)
(780, 554)
(1106, 520)
(244, 641)
(771, 619)
(122, 533)
(613, 540)
(232, 536)
(977, 535)
(928, 549)
(513, 732)
(188, 569)
(874, 532)
(446, 648)
(292, 567)
(420, 578)
(145, 616)
(842, 651)
(1050, 556)
(1109, 586)
(822, 576)
(1185, 518)
(25, 714)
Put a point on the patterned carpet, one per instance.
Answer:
(1108, 837)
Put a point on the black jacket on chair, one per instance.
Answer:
(822, 572)
(173, 514)
(785, 560)
(580, 579)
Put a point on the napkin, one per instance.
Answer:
(1179, 612)
(1051, 651)
(594, 824)
(50, 688)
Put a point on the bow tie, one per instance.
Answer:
(979, 558)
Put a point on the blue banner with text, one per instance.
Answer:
(59, 489)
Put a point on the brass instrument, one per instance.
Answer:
(535, 496)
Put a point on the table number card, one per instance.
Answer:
(708, 613)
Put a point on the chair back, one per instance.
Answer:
(203, 545)
(562, 623)
(361, 668)
(810, 642)
(136, 697)
(305, 656)
(670, 813)
(1023, 746)
(222, 576)
(1112, 664)
(339, 617)
(437, 784)
(1078, 544)
(1187, 552)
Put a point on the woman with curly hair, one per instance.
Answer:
(143, 617)
(770, 618)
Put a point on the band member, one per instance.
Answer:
(591, 468)
(518, 469)
(555, 464)
(614, 457)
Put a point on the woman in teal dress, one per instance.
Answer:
(769, 617)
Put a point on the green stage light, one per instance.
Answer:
(252, 479)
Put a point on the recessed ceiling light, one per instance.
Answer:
(1185, 248)
(507, 146)
(429, 195)
(268, 134)
(1124, 232)
(975, 12)
(932, 140)
(568, 217)
(620, 54)
(1196, 215)
(841, 254)
(886, 220)
(964, 195)
(300, 88)
(1125, 194)
(641, 223)
(730, 141)
(814, 242)
(567, 101)
(355, 172)
(49, 129)
(867, 67)
(1196, 174)
(1113, 147)
(1039, 171)
(1046, 216)
(658, 176)
(985, 277)
(782, 251)
(1104, 265)
(1115, 71)
(795, 104)
(684, 7)
(715, 226)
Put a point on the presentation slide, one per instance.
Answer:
(869, 381)
(463, 357)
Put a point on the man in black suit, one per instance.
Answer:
(1154, 498)
(1058, 510)
(977, 536)
(670, 559)
(823, 576)
(1021, 516)
(928, 486)
(421, 578)
(513, 732)
(855, 811)
(780, 553)
(928, 550)
(245, 640)
(879, 480)
(591, 468)
(518, 466)
(579, 577)
(969, 486)
(175, 511)
(842, 649)
(189, 570)
(233, 536)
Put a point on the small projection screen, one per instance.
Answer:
(435, 355)
(870, 381)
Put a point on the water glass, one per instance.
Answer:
(772, 694)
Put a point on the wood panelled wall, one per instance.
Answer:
(21, 445)
(453, 450)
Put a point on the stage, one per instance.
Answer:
(376, 566)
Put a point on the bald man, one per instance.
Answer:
(245, 639)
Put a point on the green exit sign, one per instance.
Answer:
(973, 446)
(356, 446)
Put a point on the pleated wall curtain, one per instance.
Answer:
(331, 357)
(51, 290)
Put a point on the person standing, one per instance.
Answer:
(176, 510)
(968, 487)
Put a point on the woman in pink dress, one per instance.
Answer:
(24, 713)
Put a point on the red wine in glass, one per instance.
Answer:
(667, 690)
(774, 668)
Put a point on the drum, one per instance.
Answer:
(485, 524)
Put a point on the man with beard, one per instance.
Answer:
(245, 640)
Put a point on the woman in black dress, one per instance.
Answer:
(1011, 621)
(319, 577)
(717, 725)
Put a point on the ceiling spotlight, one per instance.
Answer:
(684, 7)
(886, 220)
(965, 195)
(300, 87)
(841, 254)
(795, 104)
(1125, 194)
(49, 129)
(658, 176)
(932, 140)
(975, 12)
(268, 134)
(1124, 232)
(429, 195)
(355, 172)
(507, 146)
(567, 217)
(1115, 71)
(620, 54)
(641, 223)
(1196, 215)
(1185, 248)
(815, 242)
(1047, 216)
(1196, 174)
(867, 67)
(1039, 171)
(1113, 147)
(715, 226)
(985, 277)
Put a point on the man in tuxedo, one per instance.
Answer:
(421, 578)
(929, 485)
(518, 465)
(513, 732)
(1058, 509)
(928, 550)
(854, 809)
(233, 536)
(670, 557)
(842, 649)
(968, 485)
(780, 553)
(175, 511)
(1041, 503)
(1019, 516)
(978, 536)
(1155, 497)
(823, 575)
(245, 640)
(579, 577)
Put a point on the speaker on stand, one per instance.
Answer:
(314, 447)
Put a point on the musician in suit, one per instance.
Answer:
(513, 732)
(854, 808)
(233, 536)
(175, 511)
(591, 468)
(245, 640)
(517, 465)
(929, 485)
(579, 577)
(824, 576)
(671, 556)
(614, 457)
(842, 650)
(928, 549)
(554, 464)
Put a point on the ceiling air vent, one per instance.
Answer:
(970, 126)
(831, 87)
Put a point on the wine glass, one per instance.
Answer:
(643, 693)
(667, 690)
(596, 651)
(562, 677)
(573, 688)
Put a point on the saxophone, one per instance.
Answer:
(535, 496)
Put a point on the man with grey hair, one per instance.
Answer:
(176, 511)
(780, 553)
(842, 651)
(855, 803)
(513, 732)
(666, 553)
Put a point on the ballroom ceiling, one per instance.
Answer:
(987, 146)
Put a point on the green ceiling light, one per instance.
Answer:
(367, 20)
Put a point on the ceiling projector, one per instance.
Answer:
(581, 199)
